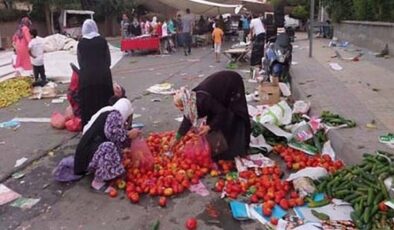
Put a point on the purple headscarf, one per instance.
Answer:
(25, 21)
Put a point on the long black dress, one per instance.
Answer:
(95, 83)
(89, 143)
(221, 98)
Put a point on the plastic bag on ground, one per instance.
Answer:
(301, 107)
(74, 124)
(58, 120)
(198, 151)
(141, 156)
(279, 114)
(68, 113)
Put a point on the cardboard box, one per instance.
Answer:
(269, 93)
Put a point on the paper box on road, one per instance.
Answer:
(269, 94)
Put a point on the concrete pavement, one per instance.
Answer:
(362, 91)
(75, 206)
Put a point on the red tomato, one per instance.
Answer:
(270, 203)
(383, 207)
(267, 211)
(284, 204)
(294, 194)
(191, 223)
(254, 199)
(134, 197)
(292, 203)
(168, 192)
(274, 221)
(299, 201)
(163, 201)
(113, 193)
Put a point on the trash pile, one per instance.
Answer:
(12, 90)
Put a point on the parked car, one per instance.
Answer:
(70, 22)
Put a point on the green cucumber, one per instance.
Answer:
(320, 215)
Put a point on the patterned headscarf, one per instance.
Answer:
(25, 21)
(188, 100)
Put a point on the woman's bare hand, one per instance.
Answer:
(204, 130)
(134, 133)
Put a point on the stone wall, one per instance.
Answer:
(371, 35)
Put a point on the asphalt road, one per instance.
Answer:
(75, 205)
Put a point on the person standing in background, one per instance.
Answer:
(187, 31)
(257, 35)
(178, 27)
(135, 28)
(245, 26)
(217, 36)
(36, 51)
(20, 41)
(95, 82)
(124, 26)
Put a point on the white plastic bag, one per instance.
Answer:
(279, 114)
(301, 107)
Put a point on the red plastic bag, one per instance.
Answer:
(197, 150)
(141, 156)
(58, 120)
(68, 113)
(74, 124)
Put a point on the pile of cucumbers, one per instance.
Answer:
(363, 186)
(334, 120)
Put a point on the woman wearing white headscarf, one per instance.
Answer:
(95, 82)
(103, 139)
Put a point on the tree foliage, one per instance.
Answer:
(363, 10)
(109, 8)
(300, 12)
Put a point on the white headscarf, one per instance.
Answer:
(124, 107)
(154, 21)
(89, 29)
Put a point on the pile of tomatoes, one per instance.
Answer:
(296, 160)
(261, 186)
(173, 172)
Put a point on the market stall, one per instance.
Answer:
(141, 43)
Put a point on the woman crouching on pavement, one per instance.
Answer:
(104, 137)
(221, 99)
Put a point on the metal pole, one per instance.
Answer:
(311, 20)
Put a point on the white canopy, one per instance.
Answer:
(202, 7)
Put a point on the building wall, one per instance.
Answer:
(371, 35)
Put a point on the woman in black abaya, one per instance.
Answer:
(95, 81)
(221, 99)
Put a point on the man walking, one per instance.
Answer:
(187, 31)
(257, 34)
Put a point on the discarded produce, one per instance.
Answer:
(363, 187)
(13, 90)
(334, 120)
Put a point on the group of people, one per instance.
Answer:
(28, 51)
(173, 32)
(220, 99)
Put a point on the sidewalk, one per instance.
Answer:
(361, 91)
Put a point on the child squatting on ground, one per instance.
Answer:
(217, 36)
(36, 51)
